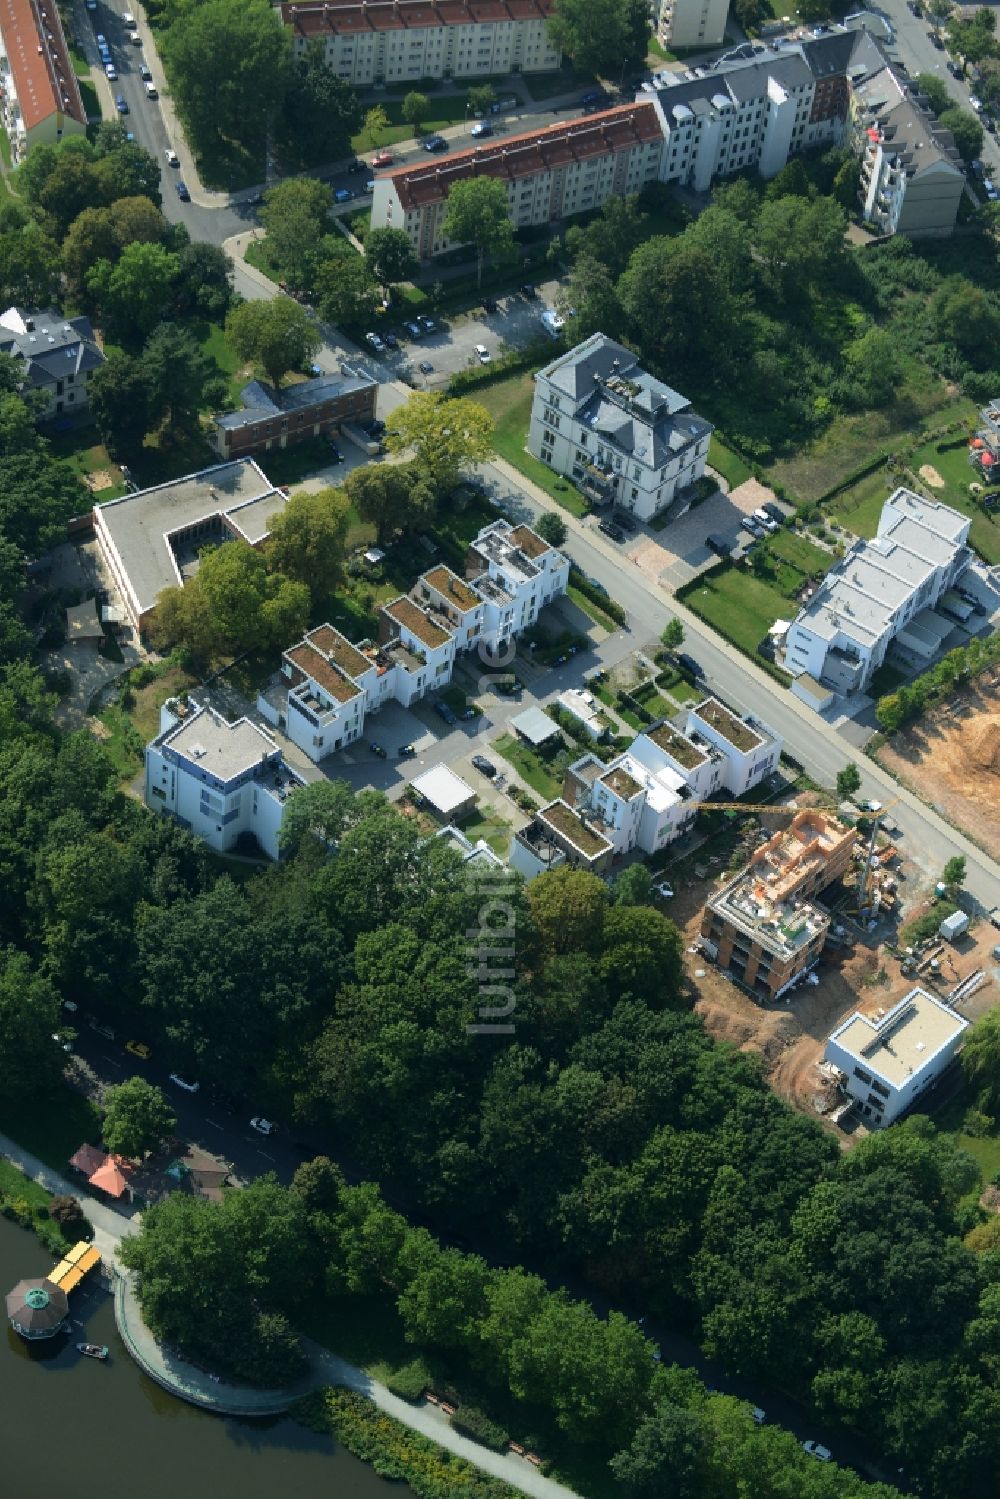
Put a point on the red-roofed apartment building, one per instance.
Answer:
(550, 174)
(393, 41)
(39, 94)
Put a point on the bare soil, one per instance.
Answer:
(930, 476)
(951, 758)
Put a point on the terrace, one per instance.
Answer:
(733, 729)
(674, 744)
(621, 783)
(405, 613)
(569, 825)
(451, 588)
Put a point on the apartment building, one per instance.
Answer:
(894, 591)
(56, 356)
(223, 781)
(647, 796)
(761, 927)
(620, 434)
(549, 175)
(272, 418)
(887, 1061)
(152, 540)
(692, 23)
(40, 98)
(327, 687)
(912, 178)
(368, 42)
(558, 835)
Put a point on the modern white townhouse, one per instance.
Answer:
(912, 177)
(550, 175)
(620, 434)
(692, 23)
(40, 99)
(328, 687)
(894, 591)
(368, 42)
(887, 1061)
(650, 794)
(223, 781)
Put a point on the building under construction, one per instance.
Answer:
(761, 926)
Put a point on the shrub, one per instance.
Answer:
(69, 1215)
(410, 1382)
(474, 1423)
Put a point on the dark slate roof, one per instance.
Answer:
(50, 345)
(260, 400)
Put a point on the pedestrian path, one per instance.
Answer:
(110, 1226)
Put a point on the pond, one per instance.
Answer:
(104, 1431)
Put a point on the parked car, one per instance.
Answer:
(336, 456)
(343, 195)
(615, 533)
(370, 185)
(689, 664)
(390, 340)
(774, 511)
(977, 104)
(448, 714)
(111, 72)
(375, 341)
(139, 1049)
(413, 329)
(376, 749)
(173, 160)
(766, 520)
(357, 166)
(816, 1449)
(406, 752)
(528, 290)
(150, 90)
(144, 73)
(490, 305)
(481, 128)
(482, 354)
(591, 97)
(913, 8)
(664, 890)
(435, 143)
(263, 1126)
(128, 19)
(425, 367)
(758, 1415)
(718, 544)
(91, 4)
(427, 323)
(484, 766)
(374, 428)
(182, 192)
(383, 159)
(101, 39)
(936, 40)
(135, 39)
(953, 68)
(753, 526)
(990, 190)
(121, 104)
(182, 1082)
(625, 519)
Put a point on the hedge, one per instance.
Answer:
(597, 596)
(393, 1450)
(474, 1423)
(879, 461)
(411, 1381)
(530, 358)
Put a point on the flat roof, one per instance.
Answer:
(411, 617)
(905, 1040)
(339, 649)
(443, 788)
(145, 527)
(734, 730)
(452, 587)
(322, 671)
(207, 742)
(560, 816)
(676, 745)
(621, 783)
(529, 541)
(534, 725)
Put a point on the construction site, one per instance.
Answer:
(951, 758)
(793, 920)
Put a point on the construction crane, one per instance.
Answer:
(866, 870)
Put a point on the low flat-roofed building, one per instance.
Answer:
(888, 1060)
(151, 540)
(447, 795)
(221, 780)
(270, 419)
(535, 726)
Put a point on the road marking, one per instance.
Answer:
(213, 1124)
(265, 1155)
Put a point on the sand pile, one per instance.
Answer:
(984, 745)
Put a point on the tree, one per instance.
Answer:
(446, 434)
(320, 112)
(121, 400)
(345, 291)
(295, 215)
(633, 887)
(673, 634)
(183, 378)
(73, 185)
(478, 213)
(967, 317)
(308, 539)
(276, 334)
(726, 239)
(480, 97)
(390, 256)
(90, 238)
(375, 127)
(69, 1215)
(137, 1118)
(135, 220)
(846, 183)
(242, 597)
(204, 283)
(604, 37)
(934, 90)
(229, 64)
(676, 299)
(551, 528)
(568, 909)
(381, 494)
(980, 1058)
(29, 265)
(668, 1455)
(136, 292)
(611, 236)
(848, 780)
(416, 108)
(129, 171)
(966, 129)
(29, 1013)
(954, 872)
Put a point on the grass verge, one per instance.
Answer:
(509, 403)
(739, 606)
(727, 463)
(529, 766)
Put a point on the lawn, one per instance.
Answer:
(529, 766)
(488, 824)
(52, 1126)
(5, 147)
(543, 86)
(810, 560)
(592, 610)
(86, 456)
(858, 507)
(985, 1148)
(448, 109)
(145, 709)
(741, 607)
(212, 341)
(727, 463)
(852, 439)
(951, 459)
(509, 403)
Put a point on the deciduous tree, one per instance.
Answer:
(390, 256)
(605, 37)
(478, 214)
(308, 539)
(416, 108)
(137, 1118)
(276, 334)
(445, 433)
(296, 217)
(320, 112)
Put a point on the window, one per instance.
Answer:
(863, 1076)
(882, 1091)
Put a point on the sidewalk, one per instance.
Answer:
(110, 1227)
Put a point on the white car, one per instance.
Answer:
(977, 104)
(150, 90)
(664, 890)
(128, 19)
(816, 1449)
(766, 520)
(110, 71)
(135, 39)
(263, 1126)
(182, 1082)
(482, 353)
(375, 342)
(990, 190)
(173, 160)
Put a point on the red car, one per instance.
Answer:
(383, 159)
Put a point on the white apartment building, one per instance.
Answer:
(327, 686)
(549, 175)
(223, 781)
(370, 42)
(693, 23)
(620, 434)
(40, 99)
(557, 835)
(888, 1060)
(893, 591)
(912, 178)
(647, 796)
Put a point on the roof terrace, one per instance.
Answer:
(570, 825)
(676, 745)
(733, 729)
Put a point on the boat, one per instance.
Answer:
(93, 1350)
